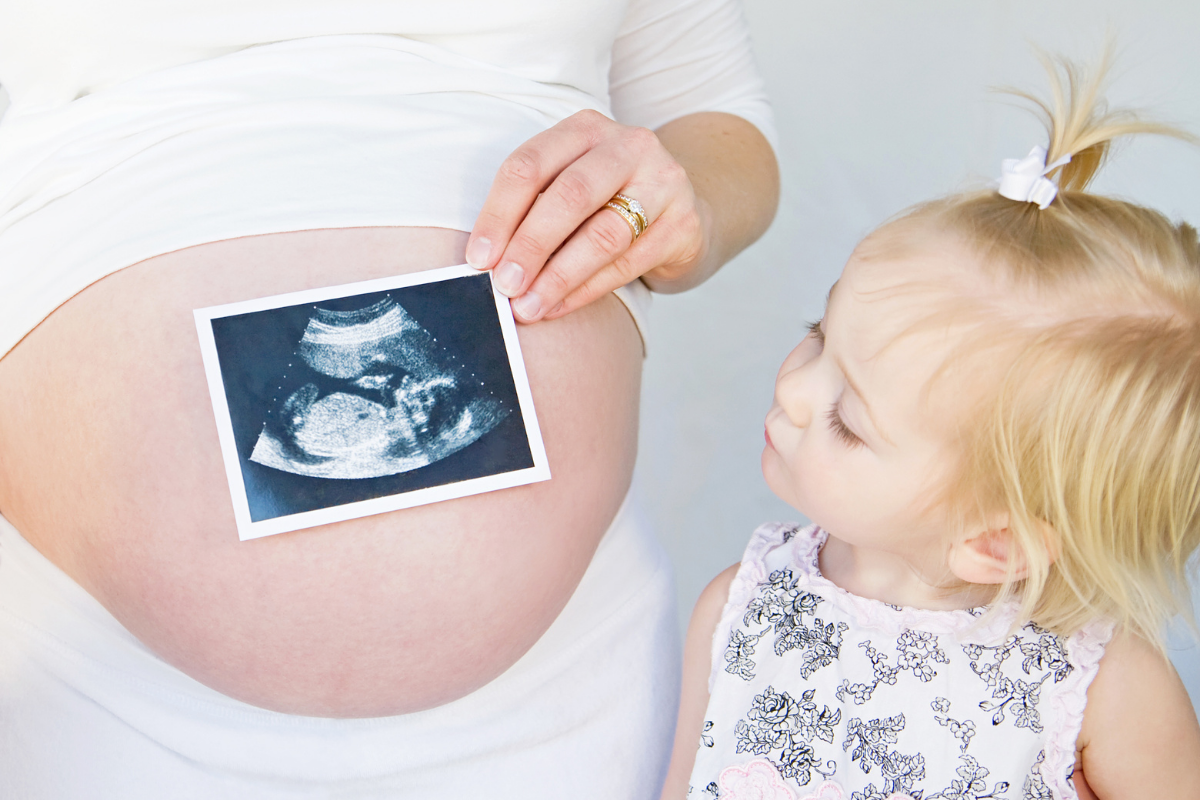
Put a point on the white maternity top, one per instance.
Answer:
(137, 128)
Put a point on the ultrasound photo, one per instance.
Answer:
(337, 403)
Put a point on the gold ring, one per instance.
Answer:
(631, 211)
(633, 207)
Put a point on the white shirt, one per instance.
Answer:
(137, 128)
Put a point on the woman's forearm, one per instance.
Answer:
(736, 179)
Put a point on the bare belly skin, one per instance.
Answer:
(110, 466)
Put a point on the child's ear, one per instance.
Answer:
(984, 556)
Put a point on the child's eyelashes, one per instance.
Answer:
(840, 429)
(814, 330)
(834, 417)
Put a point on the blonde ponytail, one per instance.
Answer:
(1095, 430)
(1079, 123)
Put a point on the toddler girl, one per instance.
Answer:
(996, 429)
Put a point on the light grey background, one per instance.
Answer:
(879, 104)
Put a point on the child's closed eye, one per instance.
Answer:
(836, 424)
(840, 429)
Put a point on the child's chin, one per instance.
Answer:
(768, 454)
(771, 474)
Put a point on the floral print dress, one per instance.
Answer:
(817, 694)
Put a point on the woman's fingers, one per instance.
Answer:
(566, 205)
(570, 235)
(522, 177)
(545, 230)
(602, 254)
(572, 278)
(651, 251)
(595, 245)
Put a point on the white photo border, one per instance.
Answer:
(249, 529)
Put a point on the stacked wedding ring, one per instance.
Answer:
(631, 211)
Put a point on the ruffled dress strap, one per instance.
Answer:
(1086, 648)
(766, 540)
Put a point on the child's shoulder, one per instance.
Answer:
(1140, 736)
(771, 548)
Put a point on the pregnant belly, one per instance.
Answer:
(110, 466)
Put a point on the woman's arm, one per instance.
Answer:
(697, 666)
(708, 181)
(736, 182)
(691, 146)
(1140, 738)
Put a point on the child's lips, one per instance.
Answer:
(767, 426)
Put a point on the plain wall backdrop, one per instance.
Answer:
(879, 104)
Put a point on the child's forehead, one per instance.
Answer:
(895, 289)
(902, 276)
(909, 321)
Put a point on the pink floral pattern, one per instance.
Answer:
(755, 780)
(828, 790)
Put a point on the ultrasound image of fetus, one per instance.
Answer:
(376, 396)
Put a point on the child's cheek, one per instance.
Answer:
(784, 478)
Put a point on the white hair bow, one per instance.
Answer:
(1024, 179)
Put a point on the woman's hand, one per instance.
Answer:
(554, 246)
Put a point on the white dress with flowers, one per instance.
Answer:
(817, 694)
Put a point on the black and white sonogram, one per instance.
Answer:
(342, 402)
(379, 396)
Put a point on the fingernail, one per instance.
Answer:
(478, 252)
(527, 306)
(508, 278)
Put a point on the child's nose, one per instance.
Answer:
(794, 395)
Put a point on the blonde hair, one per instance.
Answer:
(1092, 443)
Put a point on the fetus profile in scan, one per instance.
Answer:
(371, 393)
